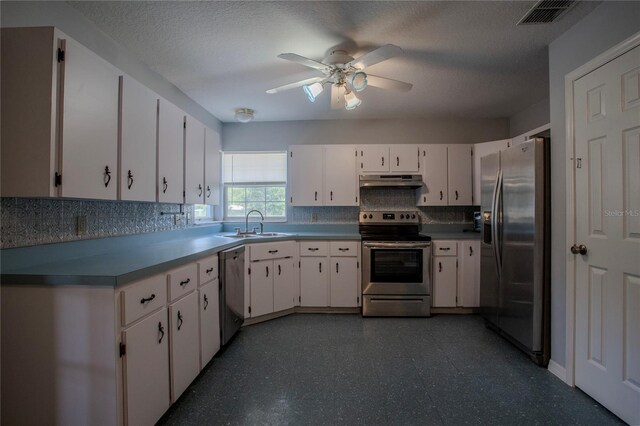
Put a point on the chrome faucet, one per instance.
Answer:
(246, 222)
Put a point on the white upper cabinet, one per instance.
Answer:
(374, 158)
(340, 176)
(138, 127)
(305, 175)
(434, 190)
(460, 174)
(194, 191)
(212, 165)
(170, 153)
(404, 158)
(479, 151)
(89, 124)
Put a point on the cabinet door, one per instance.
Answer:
(374, 158)
(90, 125)
(138, 131)
(479, 151)
(460, 171)
(404, 158)
(344, 282)
(209, 322)
(469, 274)
(284, 281)
(170, 153)
(313, 281)
(340, 176)
(444, 281)
(194, 162)
(434, 176)
(146, 369)
(305, 175)
(261, 288)
(212, 167)
(185, 345)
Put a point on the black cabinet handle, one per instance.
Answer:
(336, 267)
(147, 299)
(456, 195)
(320, 267)
(185, 282)
(165, 185)
(208, 271)
(199, 190)
(206, 302)
(343, 249)
(273, 251)
(129, 179)
(313, 249)
(161, 331)
(316, 195)
(180, 320)
(107, 175)
(439, 266)
(398, 161)
(425, 199)
(279, 270)
(382, 160)
(267, 268)
(470, 251)
(441, 195)
(361, 166)
(445, 248)
(208, 191)
(331, 195)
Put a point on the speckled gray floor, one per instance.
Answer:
(345, 369)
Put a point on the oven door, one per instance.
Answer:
(396, 268)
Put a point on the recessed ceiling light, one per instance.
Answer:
(244, 115)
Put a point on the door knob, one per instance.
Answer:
(579, 249)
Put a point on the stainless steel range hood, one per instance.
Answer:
(395, 181)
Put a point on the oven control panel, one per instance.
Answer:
(397, 217)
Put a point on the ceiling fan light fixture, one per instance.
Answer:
(313, 90)
(359, 81)
(351, 101)
(244, 115)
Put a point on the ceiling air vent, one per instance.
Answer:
(546, 11)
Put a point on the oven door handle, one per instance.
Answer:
(396, 245)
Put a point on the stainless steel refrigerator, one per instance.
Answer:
(514, 261)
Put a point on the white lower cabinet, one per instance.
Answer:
(209, 321)
(314, 281)
(284, 284)
(146, 372)
(185, 352)
(456, 274)
(344, 282)
(261, 288)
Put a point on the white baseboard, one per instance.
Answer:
(557, 370)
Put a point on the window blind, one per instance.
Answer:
(254, 167)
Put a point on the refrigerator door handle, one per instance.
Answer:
(497, 217)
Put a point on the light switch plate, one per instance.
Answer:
(314, 217)
(81, 225)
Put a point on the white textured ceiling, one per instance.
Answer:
(465, 59)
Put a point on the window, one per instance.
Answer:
(202, 212)
(255, 180)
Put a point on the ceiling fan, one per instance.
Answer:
(345, 74)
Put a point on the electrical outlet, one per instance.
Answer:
(81, 225)
(314, 217)
(177, 219)
(189, 221)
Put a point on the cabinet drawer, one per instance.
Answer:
(445, 248)
(208, 269)
(344, 248)
(143, 297)
(268, 251)
(182, 280)
(314, 248)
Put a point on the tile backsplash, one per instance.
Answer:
(31, 221)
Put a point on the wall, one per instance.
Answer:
(74, 24)
(609, 24)
(531, 118)
(274, 136)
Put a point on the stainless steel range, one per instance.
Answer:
(396, 267)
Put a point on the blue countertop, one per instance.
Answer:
(117, 261)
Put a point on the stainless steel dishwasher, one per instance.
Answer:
(231, 292)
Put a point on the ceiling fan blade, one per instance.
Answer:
(388, 83)
(337, 96)
(305, 61)
(380, 54)
(297, 84)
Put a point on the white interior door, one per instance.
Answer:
(607, 176)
